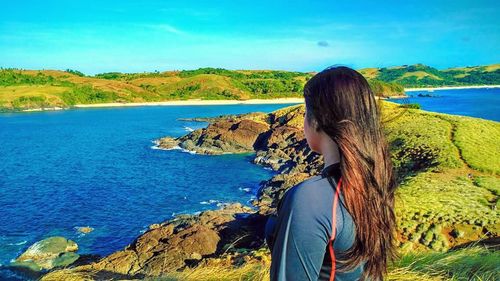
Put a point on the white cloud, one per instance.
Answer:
(167, 28)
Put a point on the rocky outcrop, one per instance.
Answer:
(48, 253)
(178, 243)
(224, 136)
(276, 138)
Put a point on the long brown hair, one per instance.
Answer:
(342, 104)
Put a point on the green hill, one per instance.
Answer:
(420, 75)
(31, 89)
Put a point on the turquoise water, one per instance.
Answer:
(481, 103)
(96, 167)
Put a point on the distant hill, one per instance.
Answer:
(29, 89)
(420, 75)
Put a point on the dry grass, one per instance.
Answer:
(474, 263)
(52, 93)
(369, 73)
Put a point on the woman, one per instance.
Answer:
(338, 225)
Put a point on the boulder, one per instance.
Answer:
(183, 241)
(48, 253)
(84, 229)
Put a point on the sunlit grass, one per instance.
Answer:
(474, 263)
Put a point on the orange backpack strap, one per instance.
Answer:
(334, 229)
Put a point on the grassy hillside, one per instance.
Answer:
(26, 89)
(420, 75)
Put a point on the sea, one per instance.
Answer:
(478, 102)
(100, 167)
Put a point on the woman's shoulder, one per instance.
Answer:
(315, 188)
(313, 182)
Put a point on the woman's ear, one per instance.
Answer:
(315, 125)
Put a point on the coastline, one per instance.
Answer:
(195, 102)
(263, 101)
(451, 88)
(249, 101)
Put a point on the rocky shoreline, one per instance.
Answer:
(233, 234)
(187, 240)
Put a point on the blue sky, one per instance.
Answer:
(137, 36)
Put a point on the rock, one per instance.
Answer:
(179, 242)
(154, 226)
(224, 136)
(84, 229)
(48, 253)
(196, 256)
(167, 143)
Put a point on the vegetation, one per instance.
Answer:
(75, 72)
(473, 263)
(411, 105)
(70, 87)
(420, 75)
(385, 89)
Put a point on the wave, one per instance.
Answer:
(18, 243)
(188, 129)
(246, 189)
(157, 147)
(209, 202)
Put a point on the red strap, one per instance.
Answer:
(334, 227)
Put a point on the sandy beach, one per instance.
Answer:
(250, 101)
(196, 102)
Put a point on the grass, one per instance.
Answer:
(210, 84)
(420, 75)
(419, 141)
(474, 263)
(448, 169)
(25, 96)
(477, 142)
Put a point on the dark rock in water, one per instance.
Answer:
(427, 95)
(48, 253)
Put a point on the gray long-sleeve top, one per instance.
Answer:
(299, 235)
